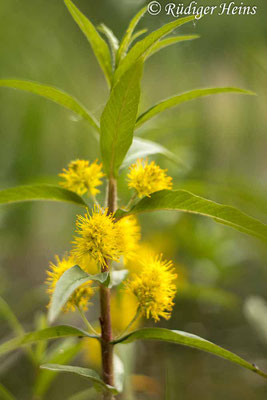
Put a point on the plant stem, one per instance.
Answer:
(137, 315)
(105, 318)
(86, 322)
(131, 201)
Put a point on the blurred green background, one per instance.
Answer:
(223, 144)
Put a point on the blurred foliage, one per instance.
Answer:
(223, 141)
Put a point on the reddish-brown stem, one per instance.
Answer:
(105, 319)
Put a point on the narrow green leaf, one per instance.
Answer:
(56, 95)
(189, 340)
(54, 332)
(141, 48)
(67, 284)
(99, 46)
(87, 394)
(181, 200)
(86, 372)
(127, 38)
(137, 34)
(10, 317)
(169, 41)
(182, 98)
(118, 119)
(113, 41)
(141, 148)
(63, 354)
(39, 192)
(5, 394)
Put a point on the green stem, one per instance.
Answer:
(132, 199)
(135, 318)
(86, 322)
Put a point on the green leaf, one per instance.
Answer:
(39, 192)
(137, 34)
(87, 394)
(5, 394)
(99, 46)
(86, 372)
(62, 355)
(118, 119)
(182, 98)
(181, 200)
(141, 48)
(189, 340)
(116, 277)
(56, 95)
(67, 284)
(169, 41)
(113, 41)
(127, 38)
(10, 317)
(141, 148)
(55, 332)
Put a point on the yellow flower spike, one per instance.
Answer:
(98, 238)
(81, 296)
(82, 177)
(154, 288)
(147, 178)
(129, 234)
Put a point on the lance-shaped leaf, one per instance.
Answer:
(113, 41)
(39, 192)
(62, 355)
(168, 42)
(118, 119)
(55, 332)
(143, 46)
(99, 46)
(67, 284)
(189, 340)
(56, 95)
(141, 148)
(5, 394)
(127, 38)
(182, 200)
(137, 34)
(183, 97)
(85, 372)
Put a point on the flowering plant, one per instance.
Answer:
(103, 258)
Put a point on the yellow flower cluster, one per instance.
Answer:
(147, 178)
(82, 177)
(81, 296)
(154, 288)
(102, 238)
(98, 237)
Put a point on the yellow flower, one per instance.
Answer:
(81, 296)
(98, 238)
(148, 178)
(129, 235)
(82, 177)
(123, 309)
(154, 288)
